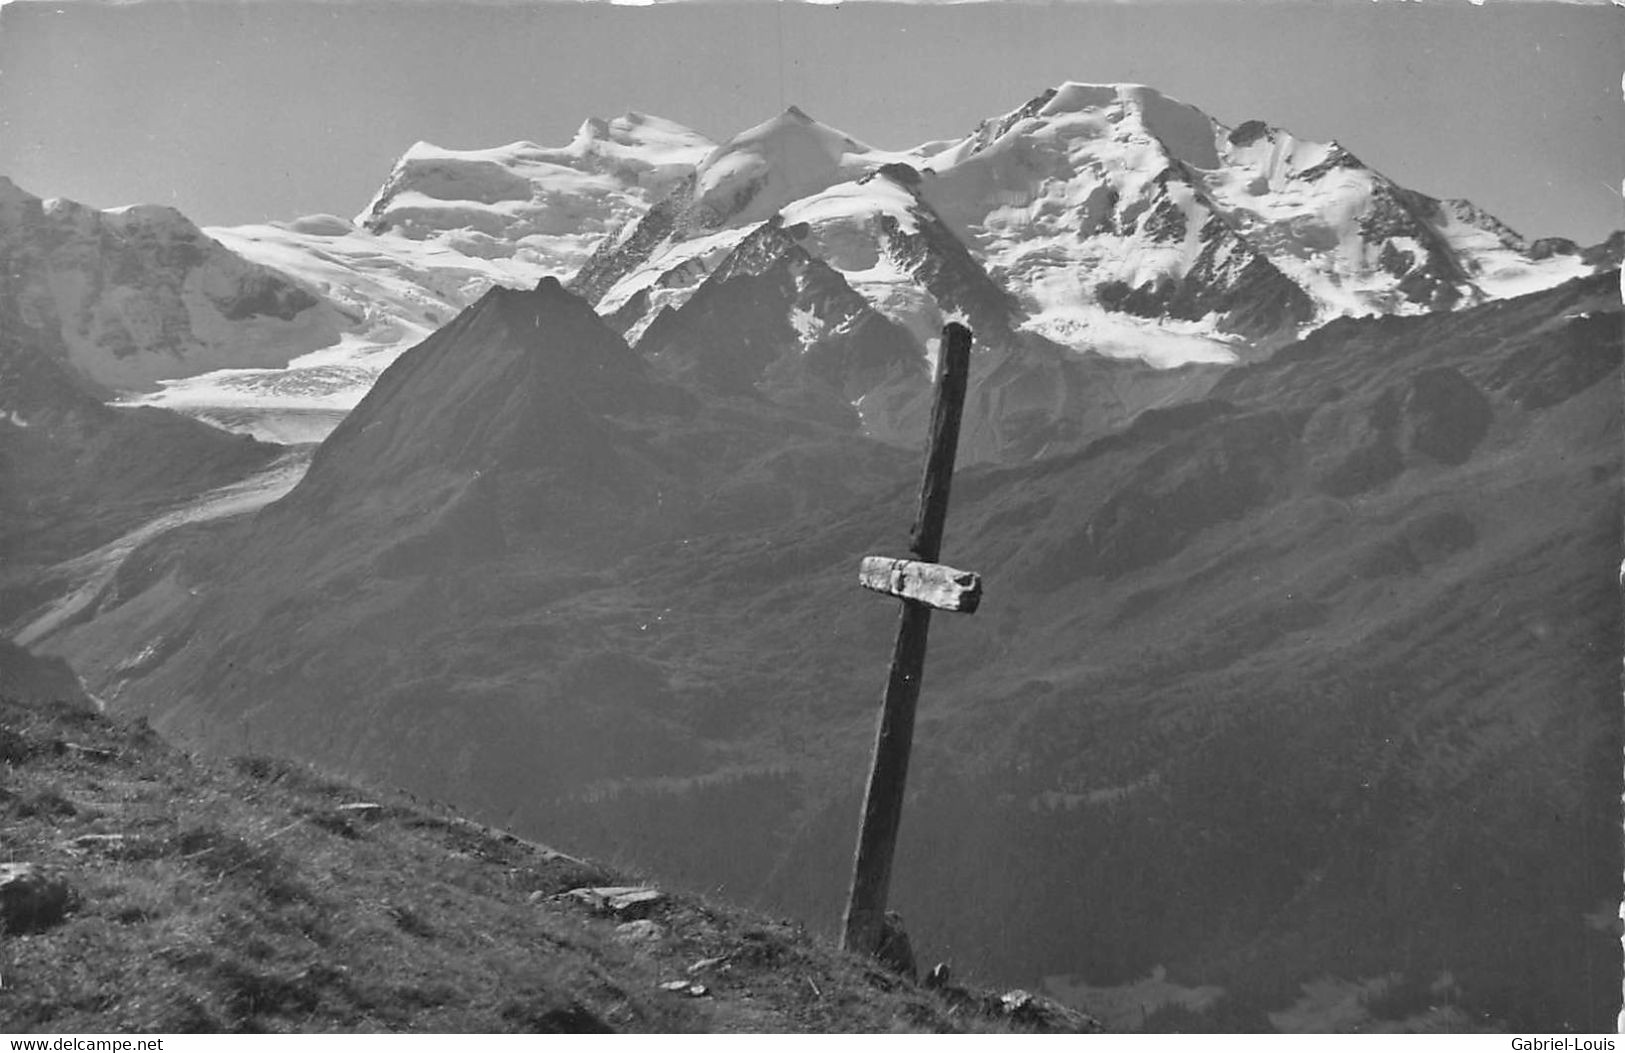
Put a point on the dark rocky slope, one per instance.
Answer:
(775, 321)
(75, 473)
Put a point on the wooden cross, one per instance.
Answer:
(921, 583)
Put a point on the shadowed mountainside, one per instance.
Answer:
(75, 473)
(1315, 678)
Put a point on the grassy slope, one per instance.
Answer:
(241, 897)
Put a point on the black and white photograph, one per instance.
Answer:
(1006, 517)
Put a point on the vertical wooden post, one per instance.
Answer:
(883, 803)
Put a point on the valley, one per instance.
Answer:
(1296, 493)
(88, 575)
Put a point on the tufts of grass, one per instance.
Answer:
(410, 922)
(294, 776)
(44, 802)
(241, 898)
(224, 856)
(14, 747)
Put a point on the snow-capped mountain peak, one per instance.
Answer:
(131, 296)
(544, 205)
(762, 169)
(444, 228)
(1094, 218)
(657, 152)
(1076, 111)
(1096, 200)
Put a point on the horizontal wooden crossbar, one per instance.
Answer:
(932, 584)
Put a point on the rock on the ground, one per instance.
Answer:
(1043, 1014)
(623, 901)
(30, 898)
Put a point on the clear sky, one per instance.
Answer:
(237, 112)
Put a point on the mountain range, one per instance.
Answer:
(1296, 494)
(1091, 232)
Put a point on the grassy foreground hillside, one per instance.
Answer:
(259, 896)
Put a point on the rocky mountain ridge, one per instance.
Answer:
(1093, 221)
(136, 295)
(1094, 206)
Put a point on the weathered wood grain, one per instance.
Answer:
(883, 802)
(932, 584)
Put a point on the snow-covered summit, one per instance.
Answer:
(1105, 218)
(763, 169)
(1115, 198)
(130, 296)
(546, 207)
(1076, 110)
(445, 227)
(657, 262)
(1094, 218)
(641, 140)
